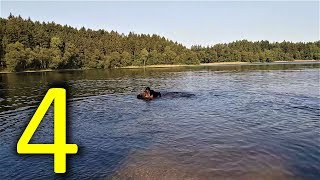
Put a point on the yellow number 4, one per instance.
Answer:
(59, 148)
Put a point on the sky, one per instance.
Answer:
(190, 23)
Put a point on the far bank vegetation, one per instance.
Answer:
(34, 45)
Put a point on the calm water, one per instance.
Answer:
(228, 122)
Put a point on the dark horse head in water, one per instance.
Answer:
(148, 94)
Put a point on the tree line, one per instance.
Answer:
(259, 51)
(34, 45)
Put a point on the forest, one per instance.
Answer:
(34, 45)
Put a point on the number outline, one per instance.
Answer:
(59, 148)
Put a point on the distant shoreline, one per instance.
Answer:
(211, 64)
(166, 66)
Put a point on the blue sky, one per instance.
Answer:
(189, 23)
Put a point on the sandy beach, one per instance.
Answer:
(210, 64)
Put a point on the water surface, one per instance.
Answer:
(237, 122)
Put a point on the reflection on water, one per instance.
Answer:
(27, 89)
(227, 122)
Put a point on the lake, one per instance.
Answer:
(258, 121)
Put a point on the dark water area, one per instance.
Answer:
(212, 122)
